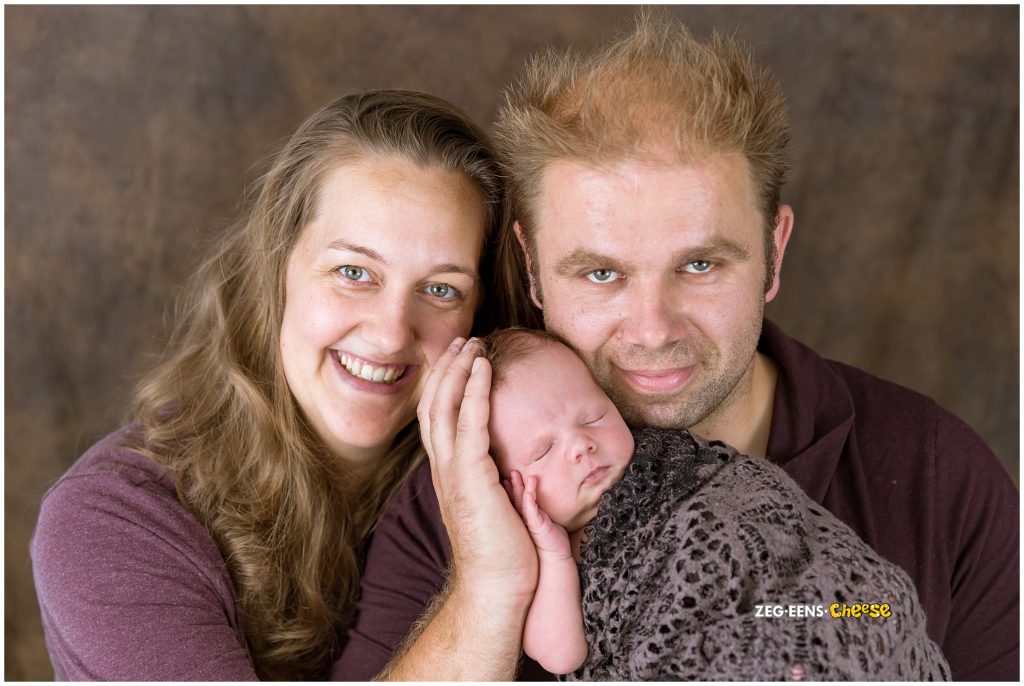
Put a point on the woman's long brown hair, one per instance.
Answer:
(290, 518)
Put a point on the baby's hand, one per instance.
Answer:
(547, 536)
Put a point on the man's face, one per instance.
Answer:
(655, 273)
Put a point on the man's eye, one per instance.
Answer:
(698, 267)
(354, 273)
(443, 291)
(603, 275)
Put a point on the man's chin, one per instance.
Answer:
(642, 411)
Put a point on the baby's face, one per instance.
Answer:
(551, 420)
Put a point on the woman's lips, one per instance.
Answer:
(657, 380)
(403, 375)
(370, 371)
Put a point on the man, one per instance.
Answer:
(646, 179)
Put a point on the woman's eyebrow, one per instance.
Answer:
(449, 268)
(444, 268)
(351, 247)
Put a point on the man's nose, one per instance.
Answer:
(654, 319)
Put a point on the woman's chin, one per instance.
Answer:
(365, 436)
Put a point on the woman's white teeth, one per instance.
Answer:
(386, 375)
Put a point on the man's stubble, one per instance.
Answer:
(719, 380)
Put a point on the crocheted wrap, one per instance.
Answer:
(695, 537)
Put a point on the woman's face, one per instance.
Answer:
(380, 282)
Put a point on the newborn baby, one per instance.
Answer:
(684, 547)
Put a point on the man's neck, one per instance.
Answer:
(745, 420)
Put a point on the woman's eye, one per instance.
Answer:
(354, 273)
(603, 275)
(443, 291)
(698, 267)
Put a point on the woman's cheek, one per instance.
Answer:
(446, 329)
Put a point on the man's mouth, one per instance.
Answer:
(382, 374)
(657, 380)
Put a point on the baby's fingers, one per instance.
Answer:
(532, 514)
(517, 491)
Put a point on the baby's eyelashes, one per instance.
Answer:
(541, 454)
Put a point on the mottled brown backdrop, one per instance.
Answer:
(130, 132)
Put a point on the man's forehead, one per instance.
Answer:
(644, 214)
(628, 168)
(706, 187)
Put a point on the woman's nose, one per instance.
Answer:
(389, 325)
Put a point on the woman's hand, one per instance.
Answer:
(493, 557)
(549, 537)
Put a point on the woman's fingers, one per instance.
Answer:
(443, 414)
(472, 437)
(493, 555)
(439, 404)
(434, 377)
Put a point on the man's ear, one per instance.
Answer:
(530, 274)
(783, 230)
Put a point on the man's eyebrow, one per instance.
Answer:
(717, 245)
(583, 258)
(443, 268)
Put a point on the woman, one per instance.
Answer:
(219, 536)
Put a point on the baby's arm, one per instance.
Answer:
(554, 634)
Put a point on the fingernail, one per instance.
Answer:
(458, 343)
(476, 365)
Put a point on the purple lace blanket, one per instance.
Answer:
(695, 553)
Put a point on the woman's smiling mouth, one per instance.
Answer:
(382, 374)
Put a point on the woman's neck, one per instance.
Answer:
(360, 462)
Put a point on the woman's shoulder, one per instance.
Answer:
(116, 457)
(126, 576)
(115, 498)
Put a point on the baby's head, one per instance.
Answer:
(550, 419)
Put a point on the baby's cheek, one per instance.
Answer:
(552, 502)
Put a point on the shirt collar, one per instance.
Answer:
(812, 414)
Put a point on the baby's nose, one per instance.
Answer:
(581, 446)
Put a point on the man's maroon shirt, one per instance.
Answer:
(915, 482)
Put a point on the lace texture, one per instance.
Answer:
(695, 537)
